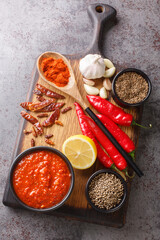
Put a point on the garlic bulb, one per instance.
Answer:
(92, 66)
(91, 90)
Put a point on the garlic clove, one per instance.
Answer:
(91, 90)
(88, 82)
(107, 84)
(110, 72)
(103, 92)
(108, 63)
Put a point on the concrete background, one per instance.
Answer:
(28, 28)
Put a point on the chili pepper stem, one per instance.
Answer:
(118, 171)
(127, 174)
(132, 155)
(139, 125)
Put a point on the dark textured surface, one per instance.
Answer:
(29, 28)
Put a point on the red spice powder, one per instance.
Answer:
(56, 71)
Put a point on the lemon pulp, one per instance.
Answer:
(80, 150)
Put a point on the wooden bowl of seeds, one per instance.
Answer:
(131, 87)
(106, 191)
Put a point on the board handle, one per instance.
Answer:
(99, 13)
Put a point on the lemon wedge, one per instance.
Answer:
(80, 150)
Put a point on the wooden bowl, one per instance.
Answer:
(55, 55)
(71, 88)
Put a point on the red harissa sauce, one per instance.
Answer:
(41, 179)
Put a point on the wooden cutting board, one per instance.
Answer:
(76, 207)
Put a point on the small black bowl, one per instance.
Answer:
(31, 150)
(124, 195)
(120, 101)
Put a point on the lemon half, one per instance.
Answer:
(80, 150)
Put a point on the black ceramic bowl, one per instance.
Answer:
(31, 150)
(123, 197)
(120, 101)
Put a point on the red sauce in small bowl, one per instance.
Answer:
(41, 179)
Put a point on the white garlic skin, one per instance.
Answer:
(103, 93)
(88, 82)
(91, 90)
(92, 66)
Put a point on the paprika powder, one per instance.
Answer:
(56, 71)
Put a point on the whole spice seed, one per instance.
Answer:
(131, 87)
(106, 191)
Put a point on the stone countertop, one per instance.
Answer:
(29, 28)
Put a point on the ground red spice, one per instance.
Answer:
(56, 71)
(41, 179)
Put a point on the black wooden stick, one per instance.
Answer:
(127, 157)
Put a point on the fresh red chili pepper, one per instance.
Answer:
(119, 161)
(116, 114)
(102, 156)
(121, 137)
(113, 112)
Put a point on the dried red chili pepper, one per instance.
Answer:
(37, 92)
(48, 92)
(50, 121)
(37, 106)
(50, 142)
(25, 105)
(34, 132)
(66, 109)
(32, 142)
(41, 115)
(49, 136)
(115, 113)
(101, 155)
(29, 117)
(27, 132)
(32, 120)
(121, 137)
(51, 107)
(119, 161)
(58, 123)
(40, 98)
